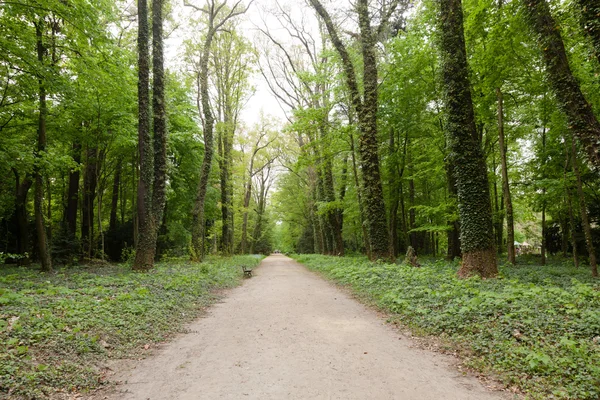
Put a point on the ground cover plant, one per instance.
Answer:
(56, 329)
(537, 328)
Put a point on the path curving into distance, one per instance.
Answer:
(288, 334)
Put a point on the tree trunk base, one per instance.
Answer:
(479, 262)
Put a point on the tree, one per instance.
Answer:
(366, 107)
(582, 120)
(217, 15)
(477, 237)
(152, 149)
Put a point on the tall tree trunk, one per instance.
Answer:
(454, 232)
(585, 221)
(40, 226)
(477, 234)
(247, 195)
(590, 19)
(73, 193)
(114, 205)
(510, 225)
(159, 114)
(198, 223)
(21, 191)
(363, 225)
(544, 228)
(366, 107)
(572, 227)
(226, 189)
(581, 118)
(90, 182)
(146, 240)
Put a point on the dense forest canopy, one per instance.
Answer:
(139, 131)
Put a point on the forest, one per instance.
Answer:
(141, 134)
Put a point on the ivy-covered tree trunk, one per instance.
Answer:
(38, 199)
(159, 114)
(226, 186)
(366, 107)
(581, 118)
(198, 223)
(585, 220)
(454, 231)
(590, 18)
(146, 242)
(465, 154)
(510, 224)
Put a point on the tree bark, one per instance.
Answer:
(73, 194)
(40, 226)
(114, 204)
(21, 191)
(159, 188)
(466, 156)
(146, 241)
(585, 221)
(510, 224)
(581, 118)
(366, 107)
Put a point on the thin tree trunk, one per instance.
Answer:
(477, 234)
(587, 229)
(581, 118)
(544, 228)
(510, 225)
(114, 205)
(73, 194)
(570, 208)
(40, 226)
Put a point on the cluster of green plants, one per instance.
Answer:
(536, 328)
(57, 329)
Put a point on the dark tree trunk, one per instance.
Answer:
(226, 144)
(90, 182)
(114, 205)
(21, 191)
(585, 221)
(198, 223)
(40, 226)
(466, 156)
(590, 19)
(159, 190)
(363, 225)
(146, 240)
(544, 228)
(572, 227)
(580, 115)
(73, 194)
(366, 107)
(510, 224)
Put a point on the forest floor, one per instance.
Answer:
(288, 334)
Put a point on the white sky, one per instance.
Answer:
(262, 100)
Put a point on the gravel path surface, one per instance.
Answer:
(288, 334)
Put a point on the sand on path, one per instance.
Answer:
(288, 334)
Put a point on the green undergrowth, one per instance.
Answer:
(57, 329)
(536, 328)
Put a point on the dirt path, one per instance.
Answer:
(288, 334)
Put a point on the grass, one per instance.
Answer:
(536, 328)
(57, 329)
